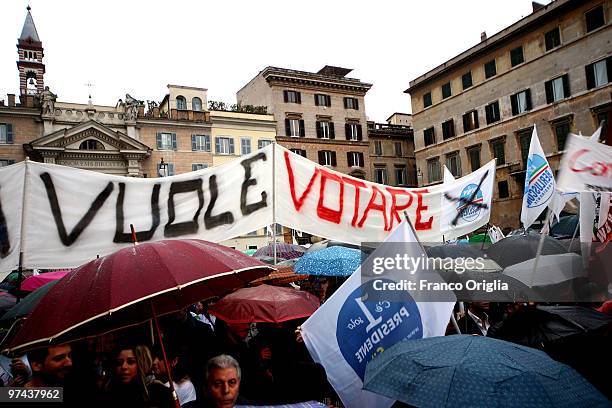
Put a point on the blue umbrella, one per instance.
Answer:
(331, 261)
(476, 371)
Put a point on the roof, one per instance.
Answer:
(29, 29)
(334, 71)
(398, 113)
(312, 78)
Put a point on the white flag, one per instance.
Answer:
(539, 183)
(347, 331)
(448, 176)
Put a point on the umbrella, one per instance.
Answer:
(249, 252)
(6, 301)
(566, 227)
(332, 261)
(326, 243)
(268, 259)
(264, 303)
(283, 275)
(36, 281)
(476, 371)
(490, 287)
(131, 285)
(454, 251)
(25, 306)
(551, 270)
(283, 250)
(521, 247)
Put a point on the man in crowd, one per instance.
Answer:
(50, 366)
(222, 381)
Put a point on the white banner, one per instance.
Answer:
(586, 166)
(347, 331)
(11, 198)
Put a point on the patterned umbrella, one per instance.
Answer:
(331, 261)
(283, 250)
(476, 371)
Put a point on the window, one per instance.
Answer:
(253, 233)
(166, 170)
(400, 175)
(521, 102)
(353, 131)
(516, 56)
(502, 188)
(433, 170)
(552, 39)
(198, 166)
(322, 100)
(427, 99)
(200, 143)
(561, 131)
(474, 155)
(91, 144)
(245, 145)
(351, 103)
(261, 143)
(224, 145)
(196, 104)
(557, 89)
(429, 136)
(301, 152)
(524, 137)
(492, 112)
(490, 69)
(398, 149)
(378, 148)
(448, 129)
(354, 159)
(466, 80)
(599, 73)
(181, 103)
(453, 162)
(6, 133)
(327, 158)
(446, 90)
(470, 121)
(166, 141)
(294, 128)
(602, 117)
(5, 162)
(292, 96)
(498, 147)
(325, 130)
(380, 175)
(594, 18)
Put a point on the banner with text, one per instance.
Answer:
(586, 166)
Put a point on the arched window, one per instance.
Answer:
(31, 83)
(196, 104)
(181, 103)
(91, 144)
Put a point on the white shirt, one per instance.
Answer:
(185, 391)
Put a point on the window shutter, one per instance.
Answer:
(287, 127)
(174, 141)
(319, 129)
(158, 140)
(193, 143)
(303, 152)
(590, 75)
(286, 96)
(528, 98)
(171, 169)
(566, 87)
(488, 114)
(549, 91)
(328, 100)
(321, 157)
(476, 124)
(207, 143)
(302, 130)
(345, 102)
(9, 133)
(465, 123)
(359, 134)
(316, 100)
(11, 162)
(299, 97)
(349, 159)
(514, 104)
(332, 131)
(217, 145)
(609, 68)
(347, 131)
(231, 146)
(333, 157)
(356, 104)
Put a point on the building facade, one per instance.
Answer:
(320, 116)
(391, 153)
(551, 68)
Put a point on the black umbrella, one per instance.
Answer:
(490, 287)
(566, 227)
(522, 247)
(455, 251)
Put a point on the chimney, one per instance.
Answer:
(536, 6)
(483, 36)
(11, 99)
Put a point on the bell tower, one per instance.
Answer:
(29, 63)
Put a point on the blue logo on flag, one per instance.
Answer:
(471, 212)
(538, 181)
(366, 328)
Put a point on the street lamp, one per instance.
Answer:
(162, 168)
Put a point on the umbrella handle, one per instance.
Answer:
(163, 350)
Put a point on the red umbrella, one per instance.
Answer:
(133, 285)
(34, 282)
(265, 303)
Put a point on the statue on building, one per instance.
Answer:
(131, 107)
(47, 101)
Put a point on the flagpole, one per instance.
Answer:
(274, 199)
(22, 228)
(540, 246)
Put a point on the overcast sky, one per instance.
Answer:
(141, 46)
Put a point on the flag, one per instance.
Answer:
(585, 166)
(348, 330)
(539, 183)
(448, 176)
(559, 200)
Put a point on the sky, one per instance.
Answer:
(138, 47)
